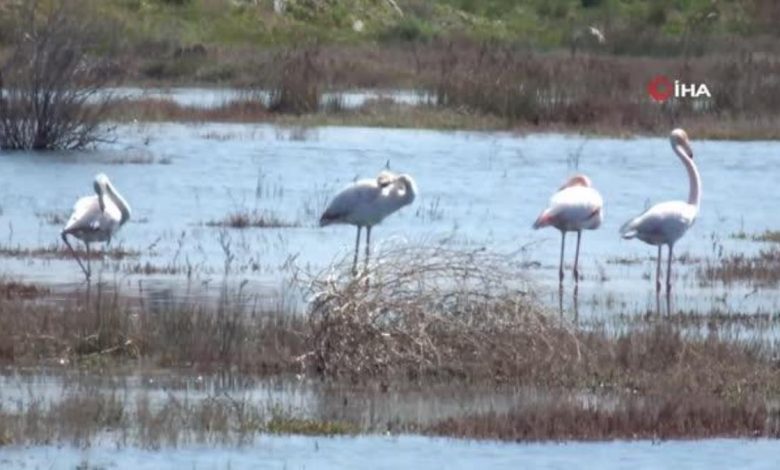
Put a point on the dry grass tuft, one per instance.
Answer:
(62, 252)
(762, 269)
(433, 312)
(673, 416)
(105, 326)
(11, 290)
(155, 109)
(253, 219)
(772, 236)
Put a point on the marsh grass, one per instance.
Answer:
(136, 419)
(421, 315)
(309, 427)
(236, 333)
(254, 219)
(62, 252)
(13, 290)
(671, 416)
(761, 269)
(154, 109)
(771, 236)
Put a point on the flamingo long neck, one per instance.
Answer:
(120, 202)
(694, 180)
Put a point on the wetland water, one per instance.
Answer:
(475, 190)
(211, 98)
(391, 452)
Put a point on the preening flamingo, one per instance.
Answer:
(96, 218)
(367, 202)
(667, 222)
(577, 206)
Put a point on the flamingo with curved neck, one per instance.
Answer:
(577, 206)
(367, 202)
(667, 222)
(96, 218)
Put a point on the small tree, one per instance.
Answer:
(51, 85)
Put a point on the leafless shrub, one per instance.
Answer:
(432, 311)
(50, 84)
(296, 88)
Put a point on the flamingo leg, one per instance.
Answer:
(357, 250)
(658, 271)
(669, 270)
(368, 245)
(560, 265)
(89, 263)
(577, 257)
(75, 255)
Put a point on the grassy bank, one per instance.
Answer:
(467, 84)
(479, 66)
(388, 114)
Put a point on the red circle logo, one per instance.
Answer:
(660, 88)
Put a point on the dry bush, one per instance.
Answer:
(433, 311)
(522, 86)
(296, 81)
(51, 84)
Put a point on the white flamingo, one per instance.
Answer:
(577, 206)
(96, 218)
(367, 202)
(667, 222)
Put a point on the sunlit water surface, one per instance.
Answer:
(476, 190)
(392, 452)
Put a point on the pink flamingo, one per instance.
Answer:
(667, 222)
(577, 206)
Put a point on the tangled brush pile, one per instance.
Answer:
(425, 311)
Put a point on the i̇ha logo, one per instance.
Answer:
(660, 89)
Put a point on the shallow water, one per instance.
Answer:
(214, 97)
(368, 406)
(294, 452)
(476, 190)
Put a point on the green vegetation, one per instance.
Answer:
(549, 23)
(534, 65)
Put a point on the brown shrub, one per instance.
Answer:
(433, 311)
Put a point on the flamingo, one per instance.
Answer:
(96, 218)
(367, 202)
(577, 206)
(667, 222)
